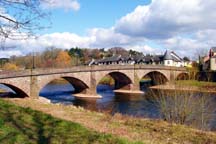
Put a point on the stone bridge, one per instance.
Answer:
(85, 78)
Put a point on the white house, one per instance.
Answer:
(172, 59)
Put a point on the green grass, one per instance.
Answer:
(24, 125)
(195, 83)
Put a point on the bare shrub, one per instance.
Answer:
(186, 107)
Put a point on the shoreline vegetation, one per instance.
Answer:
(129, 129)
(189, 85)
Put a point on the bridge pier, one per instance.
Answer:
(34, 88)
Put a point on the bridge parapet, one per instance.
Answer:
(159, 67)
(11, 74)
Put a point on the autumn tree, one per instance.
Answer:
(10, 66)
(63, 59)
(49, 57)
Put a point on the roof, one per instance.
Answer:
(126, 58)
(138, 58)
(175, 57)
(171, 56)
(91, 62)
(156, 58)
(167, 55)
(111, 59)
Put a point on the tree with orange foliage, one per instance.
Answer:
(63, 59)
(10, 66)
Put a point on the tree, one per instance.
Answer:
(76, 52)
(63, 59)
(95, 53)
(118, 51)
(133, 52)
(20, 19)
(10, 66)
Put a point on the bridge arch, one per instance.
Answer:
(78, 85)
(122, 80)
(182, 76)
(156, 77)
(19, 92)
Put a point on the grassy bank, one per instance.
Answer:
(23, 125)
(145, 130)
(202, 85)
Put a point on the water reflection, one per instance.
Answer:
(135, 105)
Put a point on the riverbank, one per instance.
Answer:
(189, 85)
(145, 130)
(23, 125)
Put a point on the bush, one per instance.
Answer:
(10, 66)
(186, 107)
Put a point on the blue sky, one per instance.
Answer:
(92, 14)
(187, 27)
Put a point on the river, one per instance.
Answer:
(110, 102)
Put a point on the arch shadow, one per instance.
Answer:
(157, 78)
(19, 93)
(121, 80)
(78, 85)
(182, 76)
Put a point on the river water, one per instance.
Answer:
(135, 105)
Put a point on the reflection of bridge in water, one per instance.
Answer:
(85, 79)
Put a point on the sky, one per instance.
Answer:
(187, 27)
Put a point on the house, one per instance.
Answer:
(187, 62)
(209, 62)
(168, 59)
(212, 57)
(172, 59)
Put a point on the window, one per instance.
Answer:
(168, 62)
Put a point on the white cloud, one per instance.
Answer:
(8, 53)
(65, 4)
(58, 40)
(183, 26)
(64, 40)
(190, 47)
(146, 49)
(108, 38)
(166, 18)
